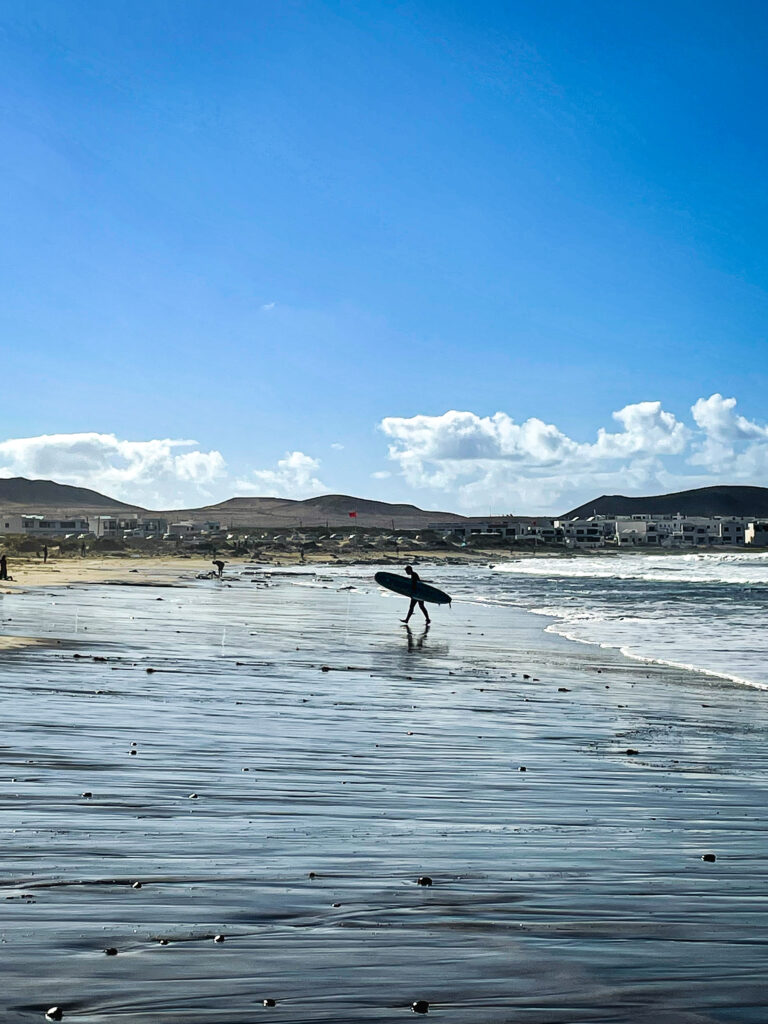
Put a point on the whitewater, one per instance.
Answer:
(704, 611)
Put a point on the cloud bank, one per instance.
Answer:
(467, 461)
(533, 465)
(158, 473)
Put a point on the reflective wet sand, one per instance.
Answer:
(278, 761)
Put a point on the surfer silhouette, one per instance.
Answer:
(414, 581)
(219, 567)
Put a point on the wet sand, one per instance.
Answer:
(301, 760)
(28, 571)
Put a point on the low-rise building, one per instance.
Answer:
(756, 534)
(42, 526)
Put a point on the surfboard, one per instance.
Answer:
(403, 585)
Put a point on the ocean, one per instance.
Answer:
(702, 611)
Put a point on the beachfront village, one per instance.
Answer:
(105, 532)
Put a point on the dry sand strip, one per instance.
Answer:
(15, 643)
(58, 572)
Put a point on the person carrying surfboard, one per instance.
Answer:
(414, 583)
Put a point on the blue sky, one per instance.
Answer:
(416, 251)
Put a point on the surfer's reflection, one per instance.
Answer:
(416, 643)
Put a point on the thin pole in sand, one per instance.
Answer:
(346, 622)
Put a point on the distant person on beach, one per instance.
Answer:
(45, 553)
(219, 566)
(3, 568)
(414, 581)
(82, 550)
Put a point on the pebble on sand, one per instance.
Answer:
(709, 857)
(54, 1013)
(269, 1002)
(420, 1006)
(423, 880)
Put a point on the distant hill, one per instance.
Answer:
(722, 500)
(332, 509)
(46, 494)
(22, 495)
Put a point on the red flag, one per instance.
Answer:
(353, 515)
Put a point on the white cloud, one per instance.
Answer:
(533, 465)
(715, 416)
(151, 473)
(293, 478)
(337, 447)
(267, 306)
(381, 474)
(729, 443)
(647, 429)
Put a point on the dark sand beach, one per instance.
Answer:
(277, 761)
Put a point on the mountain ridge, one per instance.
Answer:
(20, 494)
(20, 490)
(716, 500)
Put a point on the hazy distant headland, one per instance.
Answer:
(46, 496)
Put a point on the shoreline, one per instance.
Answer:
(32, 572)
(278, 765)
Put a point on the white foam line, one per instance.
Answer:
(646, 660)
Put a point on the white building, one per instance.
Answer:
(42, 526)
(117, 528)
(756, 534)
(592, 532)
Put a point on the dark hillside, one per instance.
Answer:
(39, 494)
(721, 500)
